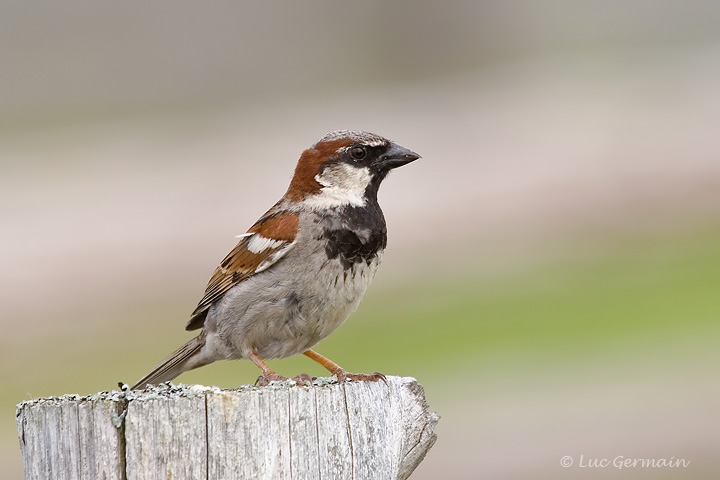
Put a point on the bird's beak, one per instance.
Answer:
(397, 156)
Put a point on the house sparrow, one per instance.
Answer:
(300, 270)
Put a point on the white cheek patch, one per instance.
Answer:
(258, 243)
(342, 185)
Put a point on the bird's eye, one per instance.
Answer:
(358, 153)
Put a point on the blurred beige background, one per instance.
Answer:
(553, 266)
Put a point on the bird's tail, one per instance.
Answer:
(185, 358)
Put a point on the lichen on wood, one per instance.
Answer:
(359, 430)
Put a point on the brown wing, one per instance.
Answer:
(269, 240)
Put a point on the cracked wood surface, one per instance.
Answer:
(353, 430)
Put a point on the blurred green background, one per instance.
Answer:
(553, 269)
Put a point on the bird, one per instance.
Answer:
(301, 269)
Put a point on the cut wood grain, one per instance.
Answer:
(330, 430)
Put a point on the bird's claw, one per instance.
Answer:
(343, 376)
(303, 379)
(264, 380)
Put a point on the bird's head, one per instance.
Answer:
(345, 168)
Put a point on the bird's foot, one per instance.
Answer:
(264, 380)
(340, 372)
(303, 379)
(343, 376)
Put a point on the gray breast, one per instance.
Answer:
(290, 307)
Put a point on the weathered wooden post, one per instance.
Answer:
(359, 430)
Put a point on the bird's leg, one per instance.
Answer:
(340, 372)
(268, 375)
